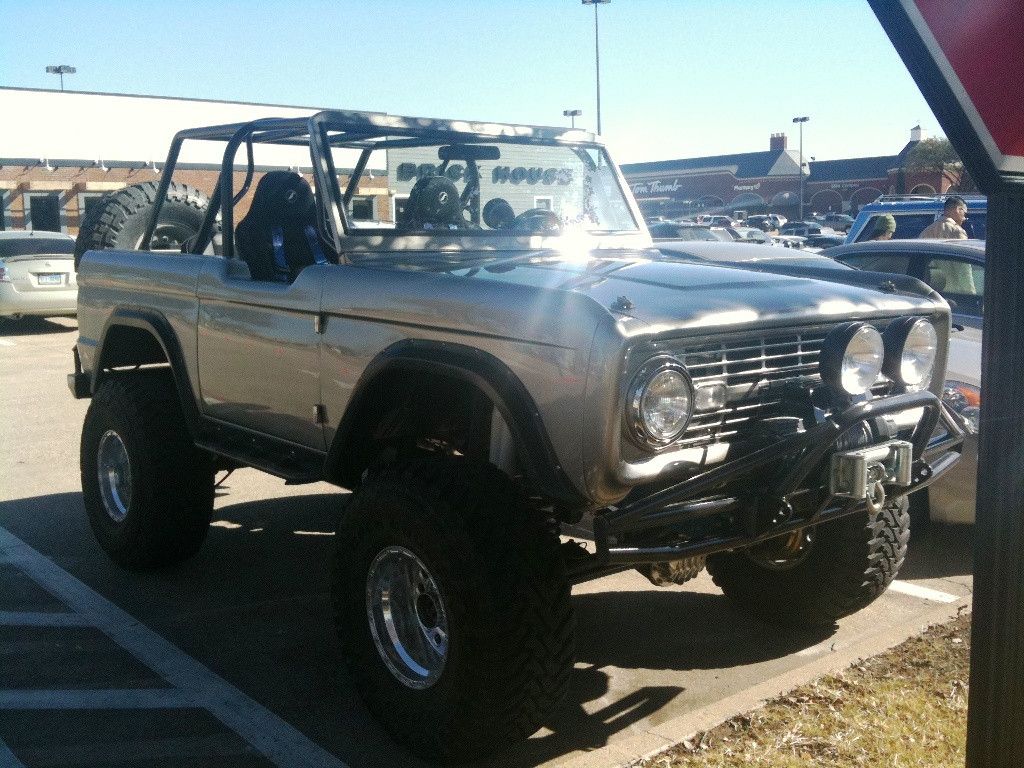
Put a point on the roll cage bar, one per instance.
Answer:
(321, 132)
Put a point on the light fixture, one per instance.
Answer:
(61, 69)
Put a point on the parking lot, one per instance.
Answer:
(230, 658)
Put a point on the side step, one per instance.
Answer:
(296, 464)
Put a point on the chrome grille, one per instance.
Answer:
(749, 361)
(746, 365)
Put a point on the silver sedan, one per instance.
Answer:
(37, 274)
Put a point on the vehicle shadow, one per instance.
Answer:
(253, 605)
(937, 551)
(36, 326)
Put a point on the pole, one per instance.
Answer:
(801, 171)
(597, 66)
(995, 736)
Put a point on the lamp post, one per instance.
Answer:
(61, 69)
(800, 121)
(572, 114)
(597, 56)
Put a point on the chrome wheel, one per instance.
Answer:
(407, 617)
(115, 474)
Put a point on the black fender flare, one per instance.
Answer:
(496, 381)
(160, 329)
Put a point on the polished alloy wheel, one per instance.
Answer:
(407, 617)
(115, 474)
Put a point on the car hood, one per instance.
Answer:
(632, 284)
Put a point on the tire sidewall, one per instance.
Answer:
(114, 412)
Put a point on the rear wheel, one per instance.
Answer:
(120, 219)
(818, 574)
(148, 490)
(452, 607)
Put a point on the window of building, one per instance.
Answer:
(86, 201)
(544, 203)
(398, 202)
(42, 212)
(363, 208)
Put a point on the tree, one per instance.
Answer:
(938, 156)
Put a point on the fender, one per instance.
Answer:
(157, 326)
(496, 381)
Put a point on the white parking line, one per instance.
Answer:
(7, 757)
(925, 593)
(272, 736)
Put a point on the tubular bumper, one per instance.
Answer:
(695, 497)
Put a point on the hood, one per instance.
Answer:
(630, 285)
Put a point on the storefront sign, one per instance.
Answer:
(502, 174)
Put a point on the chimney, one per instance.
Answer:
(917, 133)
(777, 143)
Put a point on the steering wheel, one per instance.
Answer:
(537, 221)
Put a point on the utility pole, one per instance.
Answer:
(800, 121)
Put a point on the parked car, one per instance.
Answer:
(913, 214)
(37, 274)
(667, 230)
(837, 221)
(805, 228)
(478, 379)
(716, 220)
(956, 270)
(824, 240)
(750, 235)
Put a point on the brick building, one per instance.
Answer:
(769, 181)
(61, 151)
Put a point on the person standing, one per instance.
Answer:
(950, 226)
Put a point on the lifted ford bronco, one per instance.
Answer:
(485, 356)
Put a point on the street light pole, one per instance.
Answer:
(61, 69)
(572, 114)
(800, 121)
(597, 56)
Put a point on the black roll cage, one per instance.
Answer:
(323, 131)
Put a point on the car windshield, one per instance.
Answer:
(474, 188)
(35, 246)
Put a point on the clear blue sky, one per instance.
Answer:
(679, 78)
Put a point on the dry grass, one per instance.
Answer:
(906, 708)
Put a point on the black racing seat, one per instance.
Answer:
(278, 236)
(433, 203)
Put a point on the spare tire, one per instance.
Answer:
(120, 218)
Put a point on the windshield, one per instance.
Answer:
(486, 188)
(35, 246)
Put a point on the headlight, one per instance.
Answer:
(964, 400)
(660, 402)
(851, 357)
(910, 349)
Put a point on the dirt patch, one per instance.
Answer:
(903, 709)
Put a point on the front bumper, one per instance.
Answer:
(648, 529)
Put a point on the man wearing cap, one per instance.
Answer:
(885, 227)
(949, 227)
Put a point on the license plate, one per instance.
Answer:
(50, 278)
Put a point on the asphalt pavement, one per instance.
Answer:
(230, 659)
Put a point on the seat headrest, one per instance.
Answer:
(283, 197)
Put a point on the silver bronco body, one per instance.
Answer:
(486, 350)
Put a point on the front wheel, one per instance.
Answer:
(452, 607)
(818, 574)
(148, 490)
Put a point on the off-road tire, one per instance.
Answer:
(171, 494)
(852, 561)
(499, 571)
(120, 218)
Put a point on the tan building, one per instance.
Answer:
(61, 151)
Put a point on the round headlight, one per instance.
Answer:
(912, 345)
(851, 357)
(660, 402)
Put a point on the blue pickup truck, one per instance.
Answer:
(913, 214)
